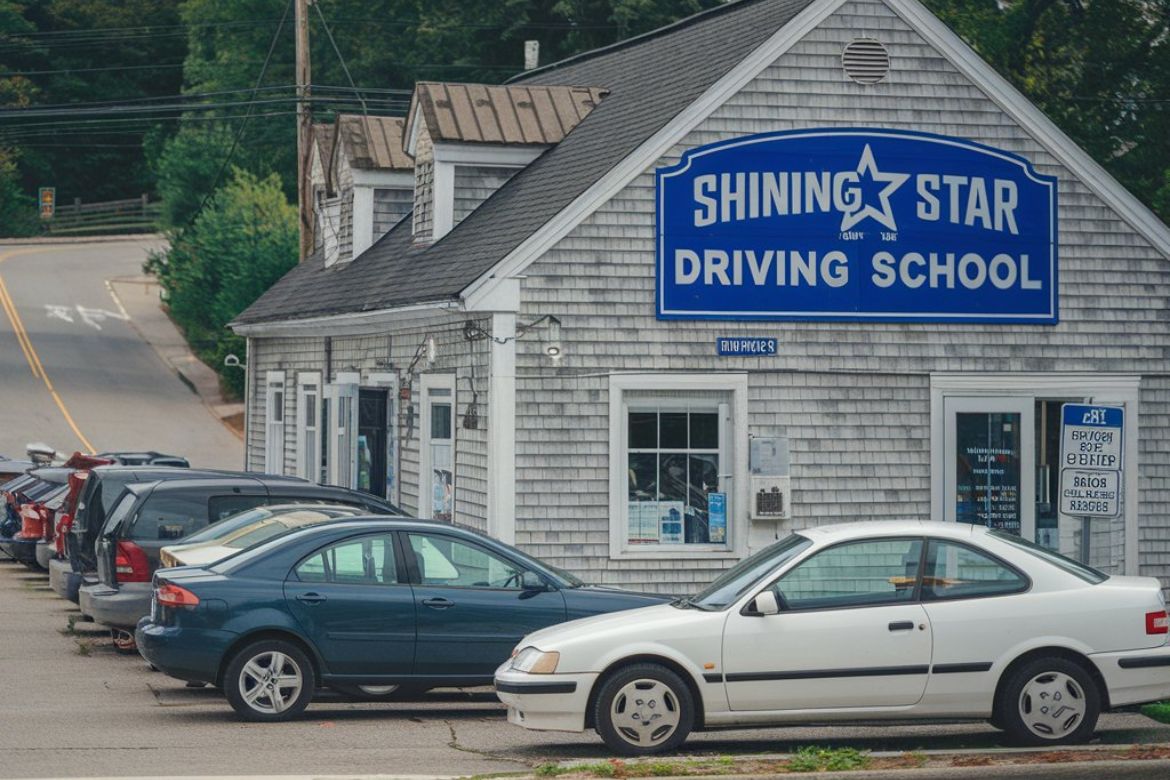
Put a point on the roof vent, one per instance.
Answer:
(865, 60)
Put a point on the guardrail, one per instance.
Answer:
(134, 215)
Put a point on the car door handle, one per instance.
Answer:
(311, 598)
(902, 625)
(438, 603)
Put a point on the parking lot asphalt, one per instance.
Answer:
(71, 707)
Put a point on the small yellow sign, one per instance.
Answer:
(47, 196)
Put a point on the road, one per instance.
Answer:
(76, 374)
(71, 707)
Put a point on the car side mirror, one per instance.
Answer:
(765, 603)
(530, 580)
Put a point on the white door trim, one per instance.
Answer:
(428, 383)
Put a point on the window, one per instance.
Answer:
(170, 517)
(219, 507)
(855, 574)
(735, 582)
(676, 475)
(366, 561)
(442, 560)
(955, 571)
(1076, 568)
(308, 426)
(274, 427)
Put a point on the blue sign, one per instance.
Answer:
(717, 517)
(856, 224)
(1093, 416)
(745, 346)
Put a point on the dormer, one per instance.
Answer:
(322, 181)
(373, 180)
(467, 140)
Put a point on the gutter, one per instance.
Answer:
(348, 323)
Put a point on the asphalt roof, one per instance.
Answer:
(650, 79)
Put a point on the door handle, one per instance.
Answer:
(311, 598)
(438, 603)
(902, 625)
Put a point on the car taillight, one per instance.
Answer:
(130, 564)
(171, 595)
(63, 526)
(1157, 622)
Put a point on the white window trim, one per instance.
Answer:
(428, 382)
(309, 471)
(1098, 388)
(274, 444)
(737, 526)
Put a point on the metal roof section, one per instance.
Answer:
(373, 142)
(481, 113)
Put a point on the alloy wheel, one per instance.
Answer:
(645, 712)
(1052, 705)
(270, 682)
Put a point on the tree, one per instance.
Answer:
(238, 247)
(18, 212)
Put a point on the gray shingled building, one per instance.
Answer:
(781, 264)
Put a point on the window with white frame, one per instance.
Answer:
(274, 427)
(673, 464)
(309, 459)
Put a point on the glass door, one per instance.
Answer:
(989, 469)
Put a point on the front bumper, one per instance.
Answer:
(1135, 676)
(545, 702)
(189, 654)
(65, 582)
(120, 607)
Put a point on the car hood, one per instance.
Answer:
(589, 600)
(615, 626)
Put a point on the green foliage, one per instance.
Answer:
(1159, 711)
(18, 212)
(241, 243)
(815, 759)
(186, 169)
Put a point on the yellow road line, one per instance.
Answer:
(35, 362)
(14, 318)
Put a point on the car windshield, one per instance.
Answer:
(228, 526)
(1075, 568)
(735, 581)
(266, 530)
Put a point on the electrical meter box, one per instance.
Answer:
(770, 484)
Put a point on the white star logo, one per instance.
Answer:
(867, 167)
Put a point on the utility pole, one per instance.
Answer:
(304, 128)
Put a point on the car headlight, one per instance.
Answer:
(534, 661)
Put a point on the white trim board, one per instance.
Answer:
(1030, 118)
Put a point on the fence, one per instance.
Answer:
(135, 215)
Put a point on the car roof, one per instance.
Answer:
(870, 528)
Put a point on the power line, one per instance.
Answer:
(340, 58)
(172, 107)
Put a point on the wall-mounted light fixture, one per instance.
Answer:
(232, 361)
(432, 350)
(552, 344)
(554, 349)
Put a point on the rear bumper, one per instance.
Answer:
(188, 654)
(45, 553)
(65, 582)
(545, 702)
(1135, 676)
(120, 607)
(23, 550)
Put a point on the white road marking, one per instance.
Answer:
(59, 312)
(117, 300)
(94, 317)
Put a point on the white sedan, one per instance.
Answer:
(864, 621)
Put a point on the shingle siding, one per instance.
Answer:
(475, 183)
(853, 399)
(390, 206)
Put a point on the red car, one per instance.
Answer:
(34, 544)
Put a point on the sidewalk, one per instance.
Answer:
(138, 299)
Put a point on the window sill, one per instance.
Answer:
(674, 553)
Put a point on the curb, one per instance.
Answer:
(1070, 769)
(42, 240)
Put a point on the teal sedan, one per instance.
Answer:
(373, 608)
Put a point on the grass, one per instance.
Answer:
(815, 759)
(1159, 711)
(809, 759)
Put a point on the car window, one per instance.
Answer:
(170, 516)
(219, 507)
(443, 560)
(854, 574)
(1075, 568)
(735, 581)
(121, 509)
(955, 571)
(365, 561)
(229, 525)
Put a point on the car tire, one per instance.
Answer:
(1047, 702)
(379, 692)
(632, 699)
(124, 642)
(269, 681)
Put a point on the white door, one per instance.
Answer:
(989, 462)
(343, 397)
(274, 425)
(849, 634)
(436, 488)
(308, 426)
